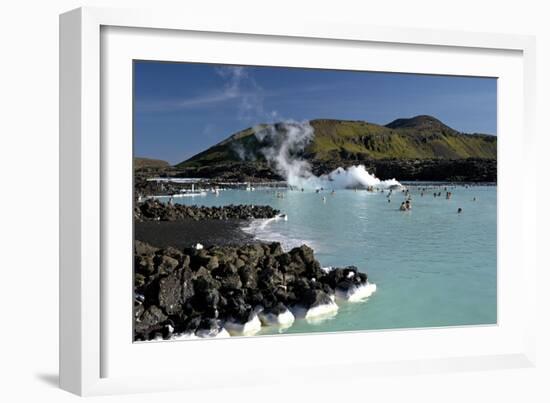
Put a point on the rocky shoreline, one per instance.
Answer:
(155, 210)
(437, 169)
(234, 290)
(471, 170)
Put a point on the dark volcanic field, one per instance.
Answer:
(186, 233)
(458, 170)
(181, 226)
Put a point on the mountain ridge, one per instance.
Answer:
(143, 163)
(424, 122)
(421, 137)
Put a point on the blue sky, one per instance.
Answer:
(181, 109)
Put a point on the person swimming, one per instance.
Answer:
(408, 205)
(403, 207)
(459, 210)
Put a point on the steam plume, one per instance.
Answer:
(284, 143)
(287, 141)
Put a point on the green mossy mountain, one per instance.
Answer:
(418, 138)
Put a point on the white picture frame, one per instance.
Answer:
(95, 354)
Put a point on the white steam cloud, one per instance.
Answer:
(242, 152)
(285, 141)
(241, 86)
(354, 176)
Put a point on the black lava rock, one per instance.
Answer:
(155, 210)
(197, 291)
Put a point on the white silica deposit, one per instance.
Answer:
(357, 294)
(284, 319)
(201, 334)
(317, 313)
(249, 328)
(207, 334)
(184, 336)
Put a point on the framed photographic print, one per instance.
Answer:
(270, 229)
(255, 195)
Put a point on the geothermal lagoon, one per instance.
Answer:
(432, 266)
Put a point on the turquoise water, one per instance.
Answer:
(432, 266)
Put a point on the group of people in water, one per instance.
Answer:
(406, 205)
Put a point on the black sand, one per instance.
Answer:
(185, 233)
